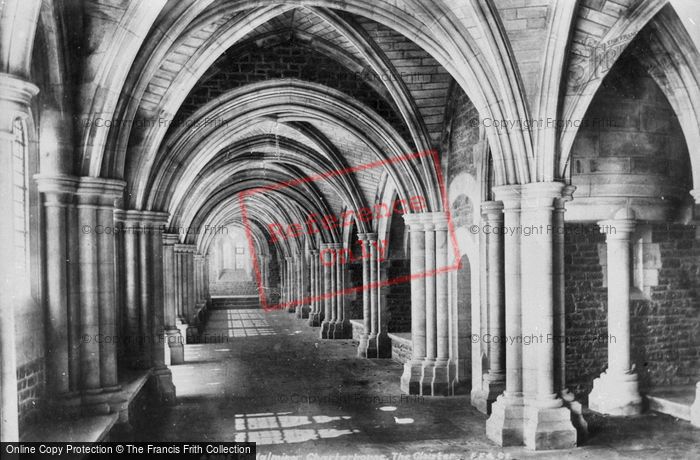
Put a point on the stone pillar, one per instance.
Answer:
(326, 261)
(547, 421)
(494, 380)
(146, 284)
(161, 375)
(411, 377)
(291, 286)
(109, 192)
(616, 391)
(315, 314)
(331, 249)
(301, 307)
(89, 297)
(343, 329)
(58, 196)
(505, 426)
(17, 26)
(132, 289)
(200, 299)
(440, 383)
(174, 338)
(193, 325)
(177, 282)
(362, 350)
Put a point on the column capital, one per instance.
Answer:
(99, 191)
(541, 195)
(16, 90)
(170, 239)
(58, 190)
(509, 195)
(414, 221)
(185, 248)
(492, 209)
(620, 226)
(367, 236)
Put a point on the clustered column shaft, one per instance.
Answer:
(427, 372)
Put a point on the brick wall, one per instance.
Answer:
(30, 390)
(665, 326)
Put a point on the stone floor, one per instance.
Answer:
(268, 378)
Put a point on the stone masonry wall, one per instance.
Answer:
(289, 59)
(30, 390)
(665, 326)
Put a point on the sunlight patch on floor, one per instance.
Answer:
(283, 428)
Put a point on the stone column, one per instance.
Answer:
(343, 329)
(362, 348)
(89, 297)
(616, 391)
(494, 380)
(315, 314)
(146, 284)
(301, 308)
(58, 196)
(132, 297)
(326, 261)
(430, 307)
(15, 100)
(547, 421)
(200, 300)
(333, 293)
(173, 336)
(109, 191)
(291, 286)
(412, 372)
(161, 375)
(505, 426)
(283, 277)
(180, 284)
(193, 327)
(441, 375)
(379, 341)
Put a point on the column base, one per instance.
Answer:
(67, 405)
(491, 389)
(548, 428)
(362, 346)
(411, 377)
(505, 425)
(342, 330)
(163, 387)
(315, 319)
(303, 311)
(379, 347)
(615, 395)
(325, 329)
(695, 408)
(292, 309)
(435, 378)
(175, 346)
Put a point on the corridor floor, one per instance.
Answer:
(268, 378)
